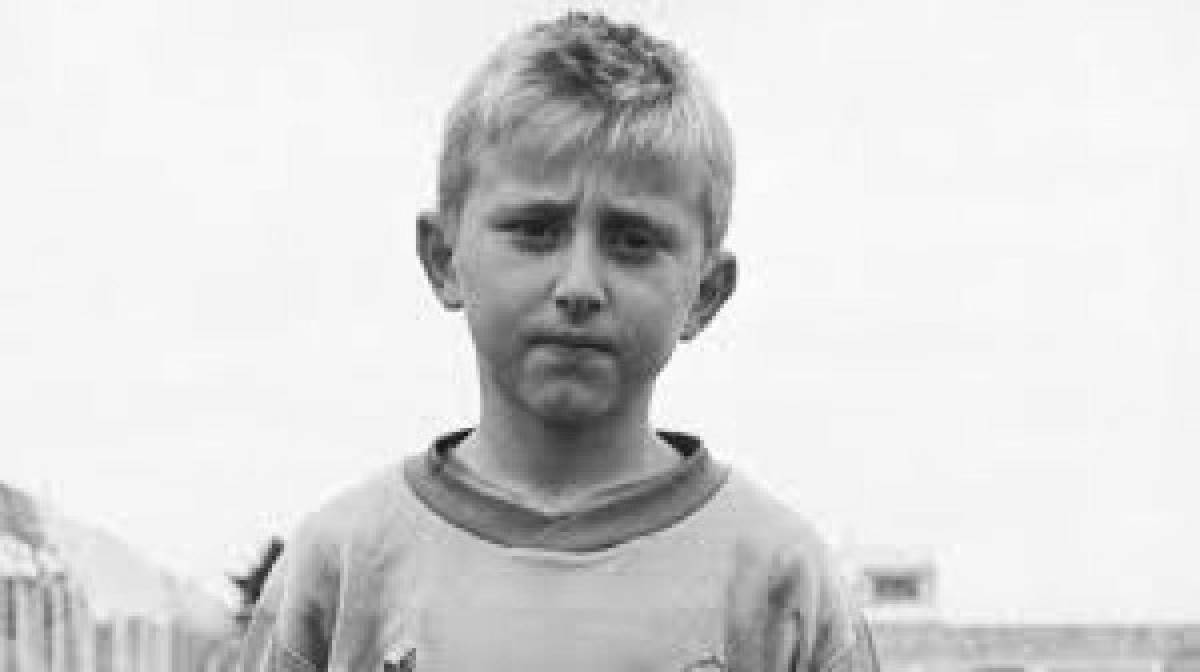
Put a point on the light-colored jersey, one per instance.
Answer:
(426, 568)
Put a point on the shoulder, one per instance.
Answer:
(295, 615)
(774, 542)
(781, 560)
(357, 510)
(776, 548)
(767, 524)
(341, 526)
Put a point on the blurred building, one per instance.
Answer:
(40, 545)
(899, 592)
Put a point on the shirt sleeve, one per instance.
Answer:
(844, 642)
(857, 655)
(292, 623)
(792, 613)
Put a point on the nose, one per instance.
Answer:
(579, 289)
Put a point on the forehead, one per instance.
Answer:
(530, 168)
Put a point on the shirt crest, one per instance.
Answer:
(401, 660)
(709, 664)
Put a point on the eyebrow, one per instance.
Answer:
(632, 219)
(541, 208)
(559, 209)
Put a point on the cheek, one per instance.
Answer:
(492, 274)
(660, 326)
(678, 305)
(467, 269)
(493, 308)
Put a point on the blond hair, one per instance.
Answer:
(594, 85)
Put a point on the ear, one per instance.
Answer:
(436, 251)
(716, 287)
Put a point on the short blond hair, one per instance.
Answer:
(595, 85)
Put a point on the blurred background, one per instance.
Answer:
(966, 340)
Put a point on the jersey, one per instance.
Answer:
(425, 567)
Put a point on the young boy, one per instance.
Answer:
(584, 193)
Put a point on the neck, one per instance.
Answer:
(559, 464)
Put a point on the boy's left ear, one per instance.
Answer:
(716, 287)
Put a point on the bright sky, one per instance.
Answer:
(968, 317)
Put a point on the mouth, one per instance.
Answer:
(575, 341)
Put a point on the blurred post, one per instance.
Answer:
(120, 661)
(38, 641)
(6, 622)
(84, 629)
(21, 621)
(56, 604)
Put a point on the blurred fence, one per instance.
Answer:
(48, 627)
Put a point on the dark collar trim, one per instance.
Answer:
(618, 515)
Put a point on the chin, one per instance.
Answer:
(568, 404)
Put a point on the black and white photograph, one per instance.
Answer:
(636, 335)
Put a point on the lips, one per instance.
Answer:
(571, 339)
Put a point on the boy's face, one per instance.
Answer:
(578, 276)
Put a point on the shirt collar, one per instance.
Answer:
(614, 515)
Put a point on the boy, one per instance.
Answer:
(584, 193)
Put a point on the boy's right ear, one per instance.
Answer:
(436, 251)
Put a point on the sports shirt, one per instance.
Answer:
(425, 567)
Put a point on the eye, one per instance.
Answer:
(533, 228)
(534, 232)
(633, 242)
